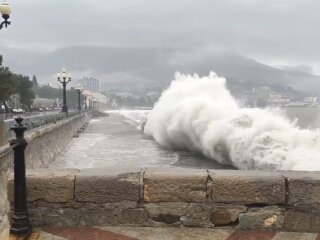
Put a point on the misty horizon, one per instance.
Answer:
(142, 43)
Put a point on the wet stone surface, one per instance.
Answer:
(114, 141)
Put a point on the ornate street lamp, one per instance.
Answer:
(79, 90)
(64, 78)
(5, 11)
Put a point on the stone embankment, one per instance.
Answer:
(43, 144)
(176, 197)
(31, 122)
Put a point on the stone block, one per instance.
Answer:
(198, 215)
(270, 217)
(134, 217)
(164, 208)
(107, 185)
(174, 185)
(97, 216)
(52, 205)
(166, 212)
(247, 187)
(46, 216)
(303, 190)
(47, 185)
(224, 214)
(302, 221)
(121, 205)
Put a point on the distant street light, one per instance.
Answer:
(79, 90)
(86, 95)
(5, 11)
(64, 78)
(88, 99)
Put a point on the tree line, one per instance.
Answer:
(13, 83)
(49, 92)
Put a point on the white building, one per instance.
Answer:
(276, 99)
(277, 102)
(89, 84)
(99, 100)
(312, 101)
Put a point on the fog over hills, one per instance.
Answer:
(138, 67)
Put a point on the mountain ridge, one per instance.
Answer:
(126, 65)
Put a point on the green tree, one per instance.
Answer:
(8, 84)
(25, 90)
(48, 92)
(52, 93)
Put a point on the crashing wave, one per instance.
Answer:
(200, 114)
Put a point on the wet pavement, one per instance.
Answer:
(144, 233)
(115, 141)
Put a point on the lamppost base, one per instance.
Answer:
(64, 109)
(21, 232)
(19, 237)
(21, 225)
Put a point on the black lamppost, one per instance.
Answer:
(79, 90)
(85, 102)
(64, 78)
(5, 11)
(20, 224)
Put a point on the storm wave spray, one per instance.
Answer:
(200, 114)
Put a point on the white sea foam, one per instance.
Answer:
(136, 117)
(199, 114)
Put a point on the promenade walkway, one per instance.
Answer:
(113, 141)
(135, 233)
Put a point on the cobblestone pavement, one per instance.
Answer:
(136, 233)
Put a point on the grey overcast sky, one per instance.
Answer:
(276, 32)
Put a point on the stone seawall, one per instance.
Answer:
(31, 122)
(175, 197)
(43, 144)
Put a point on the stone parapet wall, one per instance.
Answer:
(43, 144)
(31, 122)
(175, 197)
